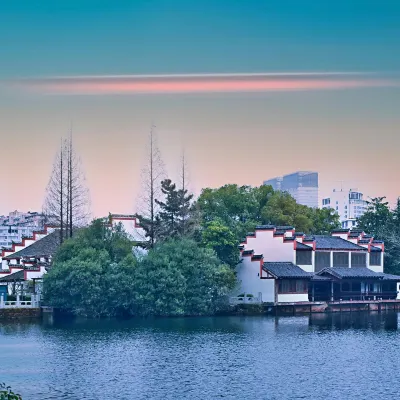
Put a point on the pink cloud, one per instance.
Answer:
(228, 83)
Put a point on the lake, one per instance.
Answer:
(337, 356)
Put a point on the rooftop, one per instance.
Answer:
(354, 272)
(324, 242)
(282, 270)
(43, 247)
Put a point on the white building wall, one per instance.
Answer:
(349, 209)
(248, 274)
(131, 227)
(35, 274)
(292, 297)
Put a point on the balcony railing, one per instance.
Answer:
(34, 302)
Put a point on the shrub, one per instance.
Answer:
(7, 394)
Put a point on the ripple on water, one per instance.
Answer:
(337, 356)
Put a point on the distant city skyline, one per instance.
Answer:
(251, 89)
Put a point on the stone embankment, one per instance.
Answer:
(19, 313)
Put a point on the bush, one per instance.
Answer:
(7, 394)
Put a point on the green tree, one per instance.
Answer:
(325, 220)
(377, 217)
(7, 394)
(99, 236)
(236, 206)
(82, 278)
(384, 224)
(179, 277)
(175, 211)
(222, 240)
(282, 209)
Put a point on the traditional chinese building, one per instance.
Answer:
(279, 265)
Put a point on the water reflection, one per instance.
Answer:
(363, 320)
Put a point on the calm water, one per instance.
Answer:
(345, 356)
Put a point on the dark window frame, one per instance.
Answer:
(373, 261)
(355, 262)
(292, 286)
(326, 256)
(305, 254)
(339, 257)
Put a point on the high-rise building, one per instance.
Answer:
(302, 185)
(17, 225)
(349, 204)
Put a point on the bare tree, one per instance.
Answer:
(67, 202)
(186, 208)
(151, 176)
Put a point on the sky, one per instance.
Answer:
(251, 89)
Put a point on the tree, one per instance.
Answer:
(94, 274)
(282, 209)
(174, 212)
(7, 394)
(152, 176)
(180, 278)
(377, 217)
(236, 206)
(222, 240)
(89, 270)
(384, 224)
(325, 220)
(67, 197)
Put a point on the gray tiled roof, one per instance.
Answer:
(16, 276)
(42, 247)
(324, 242)
(354, 272)
(375, 249)
(302, 246)
(266, 227)
(285, 270)
(247, 252)
(390, 277)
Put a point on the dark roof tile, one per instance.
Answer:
(283, 270)
(301, 246)
(46, 246)
(16, 276)
(324, 242)
(354, 272)
(265, 227)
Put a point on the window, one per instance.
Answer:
(322, 260)
(340, 259)
(292, 286)
(375, 259)
(358, 259)
(303, 257)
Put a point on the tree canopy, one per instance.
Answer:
(384, 224)
(95, 274)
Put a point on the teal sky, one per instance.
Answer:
(347, 135)
(180, 36)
